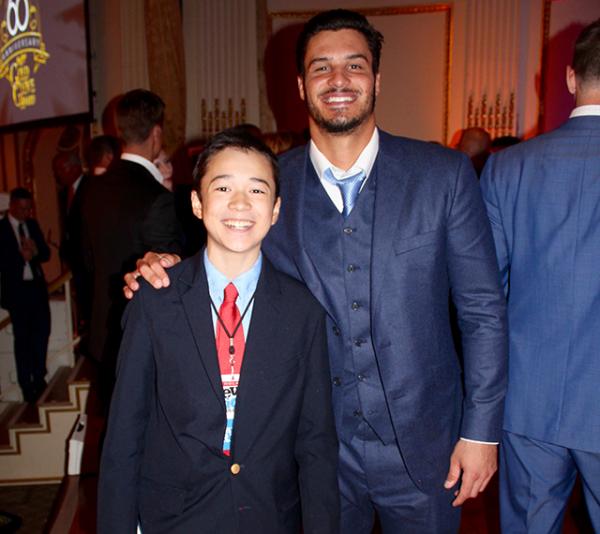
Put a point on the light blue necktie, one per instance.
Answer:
(349, 187)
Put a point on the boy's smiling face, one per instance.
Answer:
(238, 206)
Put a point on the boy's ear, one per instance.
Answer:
(276, 209)
(196, 204)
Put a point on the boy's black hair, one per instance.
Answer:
(586, 56)
(334, 20)
(239, 139)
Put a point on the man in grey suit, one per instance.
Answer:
(383, 230)
(543, 200)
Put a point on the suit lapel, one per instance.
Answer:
(193, 290)
(392, 207)
(294, 220)
(266, 313)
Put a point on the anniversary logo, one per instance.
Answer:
(23, 49)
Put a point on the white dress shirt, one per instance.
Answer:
(364, 162)
(27, 272)
(582, 111)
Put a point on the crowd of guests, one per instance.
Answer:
(353, 400)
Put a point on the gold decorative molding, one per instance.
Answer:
(216, 119)
(498, 118)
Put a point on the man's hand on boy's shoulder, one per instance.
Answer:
(152, 268)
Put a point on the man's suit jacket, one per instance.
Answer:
(72, 241)
(125, 213)
(543, 199)
(162, 457)
(431, 238)
(12, 262)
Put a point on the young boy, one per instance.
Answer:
(221, 418)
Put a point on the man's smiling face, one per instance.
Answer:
(339, 85)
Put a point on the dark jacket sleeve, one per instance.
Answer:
(43, 252)
(124, 444)
(161, 230)
(481, 308)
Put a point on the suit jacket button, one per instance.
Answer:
(337, 381)
(235, 469)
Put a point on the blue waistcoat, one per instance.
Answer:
(348, 244)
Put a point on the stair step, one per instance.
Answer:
(27, 416)
(85, 370)
(6, 419)
(58, 388)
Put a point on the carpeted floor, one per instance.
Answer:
(31, 503)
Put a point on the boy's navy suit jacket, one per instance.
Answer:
(162, 460)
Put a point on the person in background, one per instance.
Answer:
(475, 143)
(502, 142)
(164, 165)
(101, 152)
(24, 293)
(543, 200)
(124, 212)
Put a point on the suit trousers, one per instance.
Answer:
(30, 316)
(373, 479)
(536, 481)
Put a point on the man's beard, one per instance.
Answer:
(340, 125)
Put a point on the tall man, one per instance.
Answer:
(125, 213)
(24, 293)
(543, 200)
(382, 230)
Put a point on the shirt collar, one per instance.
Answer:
(14, 222)
(146, 163)
(364, 162)
(245, 283)
(581, 111)
(76, 183)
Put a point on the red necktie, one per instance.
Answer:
(230, 354)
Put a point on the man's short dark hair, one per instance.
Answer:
(20, 193)
(239, 139)
(100, 146)
(137, 113)
(335, 20)
(586, 56)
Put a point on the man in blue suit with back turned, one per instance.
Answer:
(543, 200)
(382, 230)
